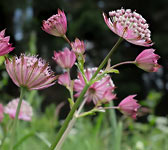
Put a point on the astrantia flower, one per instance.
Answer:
(64, 79)
(30, 72)
(129, 106)
(147, 60)
(78, 46)
(1, 112)
(56, 25)
(25, 113)
(5, 46)
(65, 59)
(96, 91)
(129, 25)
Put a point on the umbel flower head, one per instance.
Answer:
(56, 25)
(78, 46)
(5, 46)
(30, 72)
(129, 106)
(65, 59)
(1, 112)
(97, 91)
(25, 113)
(147, 60)
(129, 25)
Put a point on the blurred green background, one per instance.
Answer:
(23, 20)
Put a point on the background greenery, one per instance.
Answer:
(23, 20)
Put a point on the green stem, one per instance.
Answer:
(13, 138)
(123, 63)
(80, 98)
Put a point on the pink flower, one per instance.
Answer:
(97, 90)
(147, 60)
(1, 112)
(5, 46)
(56, 25)
(25, 113)
(65, 59)
(78, 46)
(30, 71)
(64, 79)
(129, 25)
(109, 95)
(129, 106)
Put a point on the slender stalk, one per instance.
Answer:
(80, 98)
(123, 63)
(66, 39)
(16, 119)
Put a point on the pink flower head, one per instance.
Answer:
(65, 59)
(147, 60)
(56, 25)
(97, 90)
(129, 25)
(78, 46)
(64, 79)
(129, 106)
(30, 72)
(25, 113)
(1, 112)
(5, 46)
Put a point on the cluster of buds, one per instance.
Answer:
(129, 25)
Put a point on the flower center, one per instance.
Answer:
(92, 90)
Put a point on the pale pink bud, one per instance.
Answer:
(56, 25)
(1, 112)
(65, 59)
(25, 113)
(30, 72)
(5, 46)
(78, 46)
(64, 79)
(129, 106)
(127, 26)
(147, 60)
(109, 95)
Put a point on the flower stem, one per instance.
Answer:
(80, 98)
(123, 63)
(66, 39)
(16, 118)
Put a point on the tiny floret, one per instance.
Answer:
(147, 60)
(129, 25)
(5, 46)
(64, 79)
(25, 113)
(65, 59)
(30, 72)
(56, 25)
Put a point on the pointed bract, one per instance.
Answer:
(64, 79)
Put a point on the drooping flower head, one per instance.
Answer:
(147, 60)
(65, 59)
(129, 25)
(96, 91)
(30, 72)
(1, 112)
(78, 46)
(129, 106)
(5, 46)
(64, 79)
(25, 113)
(56, 25)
